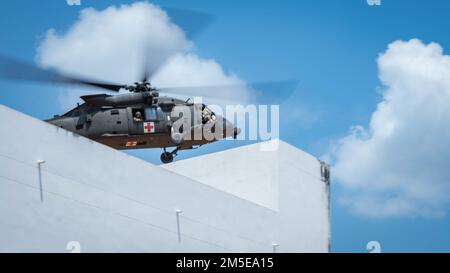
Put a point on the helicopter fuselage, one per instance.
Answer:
(141, 120)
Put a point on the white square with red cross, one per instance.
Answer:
(149, 127)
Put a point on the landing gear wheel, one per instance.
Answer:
(166, 157)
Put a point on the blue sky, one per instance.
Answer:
(331, 47)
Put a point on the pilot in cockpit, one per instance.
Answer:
(207, 115)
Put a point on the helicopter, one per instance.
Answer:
(140, 119)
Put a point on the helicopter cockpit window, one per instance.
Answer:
(207, 115)
(151, 113)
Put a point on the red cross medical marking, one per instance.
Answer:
(149, 127)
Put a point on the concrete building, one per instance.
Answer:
(61, 192)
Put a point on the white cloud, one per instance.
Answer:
(109, 45)
(398, 166)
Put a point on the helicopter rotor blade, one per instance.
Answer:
(16, 70)
(191, 22)
(261, 92)
(146, 68)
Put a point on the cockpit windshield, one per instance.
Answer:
(207, 115)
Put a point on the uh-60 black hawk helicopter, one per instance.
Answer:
(134, 120)
(140, 118)
(143, 119)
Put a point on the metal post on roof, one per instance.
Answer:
(41, 190)
(178, 212)
(274, 247)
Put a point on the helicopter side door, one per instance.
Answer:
(105, 122)
(119, 119)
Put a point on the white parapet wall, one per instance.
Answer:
(60, 192)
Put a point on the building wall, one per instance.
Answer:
(108, 201)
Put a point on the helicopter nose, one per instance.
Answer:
(229, 130)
